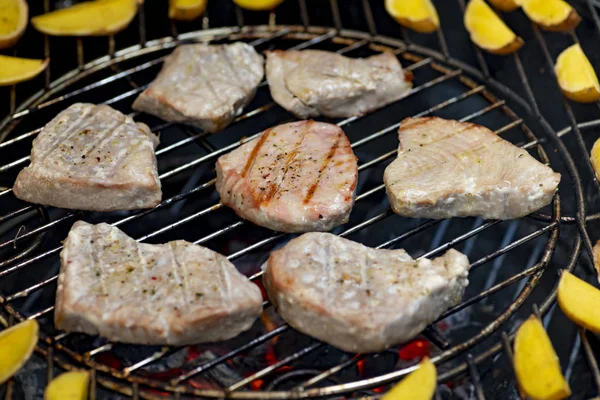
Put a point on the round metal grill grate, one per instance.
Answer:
(190, 210)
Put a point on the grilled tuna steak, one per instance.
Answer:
(204, 85)
(309, 83)
(357, 298)
(92, 158)
(449, 168)
(175, 294)
(294, 177)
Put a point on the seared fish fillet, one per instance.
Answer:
(456, 169)
(92, 158)
(357, 298)
(170, 294)
(294, 177)
(204, 85)
(309, 83)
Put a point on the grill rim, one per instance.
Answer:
(317, 32)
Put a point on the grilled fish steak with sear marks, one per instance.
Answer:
(175, 294)
(357, 298)
(92, 158)
(309, 83)
(294, 177)
(206, 86)
(456, 169)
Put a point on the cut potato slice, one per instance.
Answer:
(536, 364)
(505, 5)
(90, 18)
(580, 301)
(72, 385)
(551, 15)
(258, 5)
(418, 385)
(596, 250)
(14, 69)
(595, 159)
(418, 15)
(186, 10)
(576, 76)
(15, 14)
(16, 345)
(488, 31)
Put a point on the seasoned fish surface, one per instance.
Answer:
(204, 85)
(357, 298)
(92, 158)
(294, 177)
(456, 169)
(309, 83)
(173, 294)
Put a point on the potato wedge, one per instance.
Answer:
(418, 15)
(72, 385)
(551, 15)
(488, 31)
(15, 14)
(580, 301)
(16, 346)
(258, 5)
(505, 5)
(576, 76)
(596, 248)
(536, 364)
(186, 10)
(14, 69)
(90, 18)
(418, 385)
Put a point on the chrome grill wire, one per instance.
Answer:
(534, 272)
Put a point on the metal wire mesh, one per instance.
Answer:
(443, 86)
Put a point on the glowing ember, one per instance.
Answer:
(416, 349)
(257, 384)
(379, 389)
(270, 356)
(360, 367)
(109, 359)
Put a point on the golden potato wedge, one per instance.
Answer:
(576, 76)
(16, 346)
(15, 14)
(551, 15)
(418, 385)
(72, 385)
(258, 5)
(488, 31)
(536, 364)
(596, 249)
(580, 301)
(14, 69)
(186, 10)
(90, 18)
(505, 5)
(418, 15)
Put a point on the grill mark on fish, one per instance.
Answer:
(313, 187)
(235, 73)
(273, 188)
(63, 138)
(95, 255)
(104, 136)
(139, 277)
(226, 292)
(254, 153)
(184, 283)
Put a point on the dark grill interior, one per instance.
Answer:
(515, 264)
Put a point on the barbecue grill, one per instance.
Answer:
(515, 264)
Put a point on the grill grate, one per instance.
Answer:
(444, 86)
